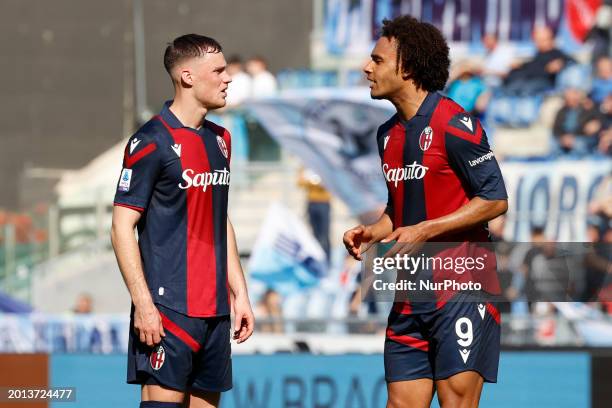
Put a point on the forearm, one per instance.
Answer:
(476, 212)
(236, 278)
(128, 257)
(381, 228)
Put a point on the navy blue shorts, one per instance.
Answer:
(194, 355)
(457, 337)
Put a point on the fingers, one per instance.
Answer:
(151, 333)
(141, 336)
(156, 337)
(237, 324)
(352, 241)
(395, 249)
(244, 326)
(391, 237)
(149, 338)
(248, 330)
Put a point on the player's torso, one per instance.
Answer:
(183, 234)
(415, 165)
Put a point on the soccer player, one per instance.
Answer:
(185, 270)
(444, 184)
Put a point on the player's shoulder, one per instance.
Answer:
(460, 123)
(149, 138)
(152, 131)
(386, 127)
(217, 129)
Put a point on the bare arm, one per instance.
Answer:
(476, 212)
(365, 234)
(147, 321)
(244, 319)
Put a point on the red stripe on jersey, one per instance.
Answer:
(201, 261)
(408, 340)
(462, 134)
(402, 307)
(142, 153)
(180, 333)
(494, 312)
(443, 191)
(393, 158)
(131, 207)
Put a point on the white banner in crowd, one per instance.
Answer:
(42, 333)
(552, 195)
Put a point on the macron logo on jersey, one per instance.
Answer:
(413, 171)
(203, 180)
(177, 149)
(133, 144)
(481, 159)
(467, 122)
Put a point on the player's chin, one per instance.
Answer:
(220, 103)
(376, 95)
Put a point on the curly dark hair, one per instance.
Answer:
(422, 51)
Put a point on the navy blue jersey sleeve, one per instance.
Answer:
(470, 156)
(141, 168)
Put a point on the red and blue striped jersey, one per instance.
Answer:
(435, 163)
(178, 178)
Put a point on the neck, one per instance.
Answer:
(190, 112)
(408, 101)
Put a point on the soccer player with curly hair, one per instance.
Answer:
(444, 185)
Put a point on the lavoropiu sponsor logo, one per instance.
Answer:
(413, 171)
(481, 159)
(203, 180)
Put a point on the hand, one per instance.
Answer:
(354, 238)
(148, 324)
(592, 127)
(567, 141)
(244, 321)
(409, 239)
(554, 66)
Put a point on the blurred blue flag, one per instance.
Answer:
(334, 134)
(286, 257)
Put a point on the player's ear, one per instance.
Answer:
(186, 77)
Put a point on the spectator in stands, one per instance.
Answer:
(544, 279)
(497, 62)
(264, 83)
(84, 304)
(577, 125)
(240, 88)
(539, 73)
(598, 258)
(319, 207)
(467, 88)
(268, 309)
(602, 83)
(599, 36)
(601, 204)
(605, 136)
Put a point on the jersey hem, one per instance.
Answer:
(184, 312)
(131, 207)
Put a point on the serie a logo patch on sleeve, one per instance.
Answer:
(124, 181)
